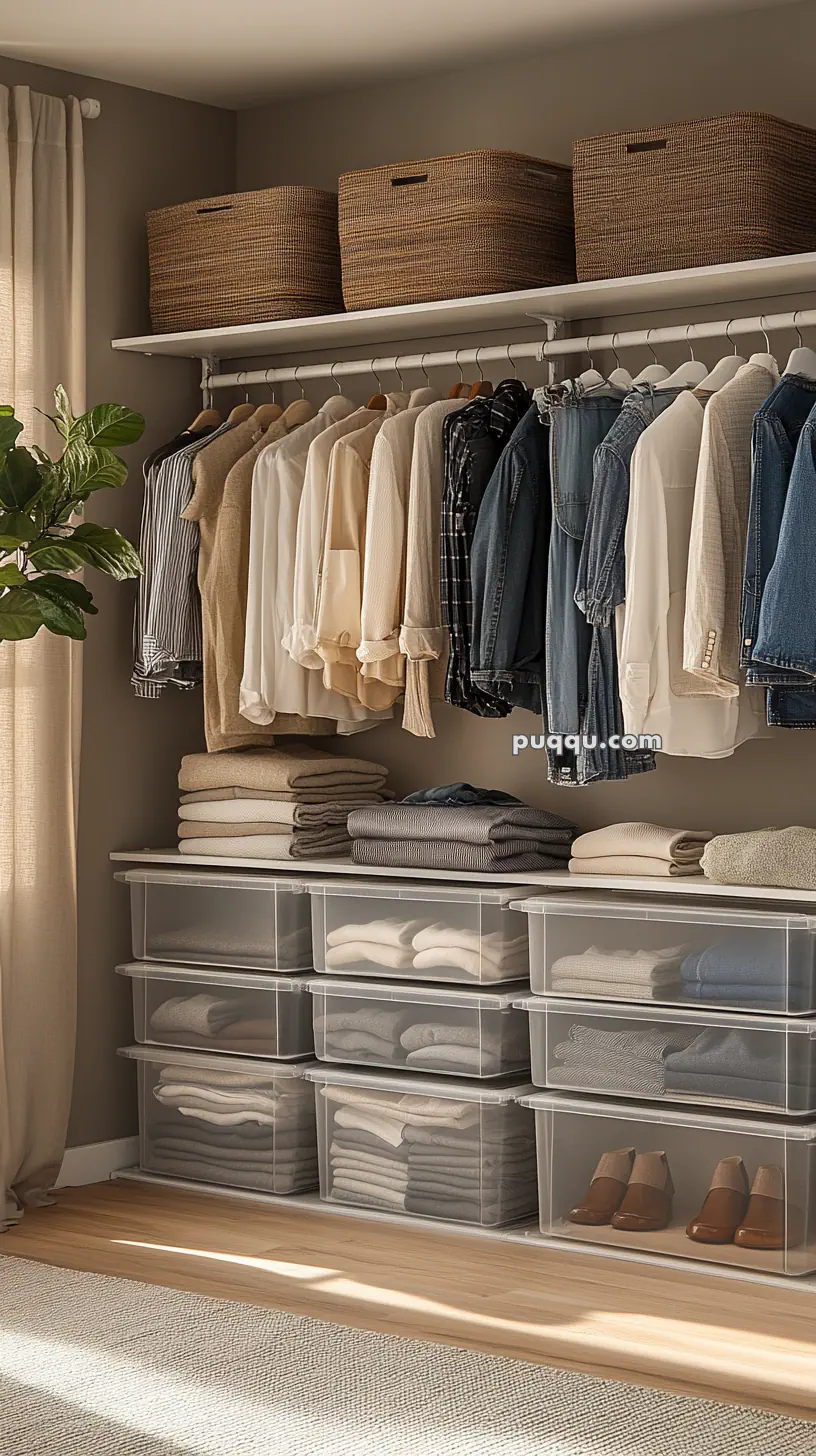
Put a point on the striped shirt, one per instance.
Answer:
(167, 644)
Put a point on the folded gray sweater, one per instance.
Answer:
(480, 824)
(506, 857)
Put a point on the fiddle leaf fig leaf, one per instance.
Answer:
(20, 615)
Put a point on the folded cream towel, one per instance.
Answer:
(386, 932)
(775, 857)
(620, 990)
(646, 967)
(229, 812)
(217, 829)
(267, 846)
(371, 952)
(493, 946)
(461, 1059)
(271, 768)
(632, 865)
(410, 1108)
(643, 841)
(472, 963)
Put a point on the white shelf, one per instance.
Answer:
(608, 298)
(684, 885)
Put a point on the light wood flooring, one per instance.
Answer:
(674, 1328)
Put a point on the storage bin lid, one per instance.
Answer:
(261, 1067)
(656, 1115)
(458, 1089)
(226, 980)
(657, 1013)
(418, 890)
(624, 907)
(219, 881)
(471, 998)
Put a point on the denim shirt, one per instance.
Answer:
(786, 637)
(509, 570)
(777, 427)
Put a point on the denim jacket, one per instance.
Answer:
(509, 570)
(786, 638)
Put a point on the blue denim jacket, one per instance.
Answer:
(786, 637)
(509, 570)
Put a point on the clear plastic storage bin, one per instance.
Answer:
(761, 1063)
(762, 1215)
(253, 922)
(463, 1151)
(456, 1031)
(245, 1014)
(237, 1124)
(418, 932)
(616, 948)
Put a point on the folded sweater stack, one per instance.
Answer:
(268, 804)
(755, 1069)
(403, 1038)
(628, 1063)
(235, 1024)
(474, 837)
(745, 969)
(639, 849)
(433, 949)
(231, 1128)
(620, 975)
(430, 1155)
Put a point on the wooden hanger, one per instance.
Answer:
(802, 359)
(266, 414)
(240, 413)
(206, 419)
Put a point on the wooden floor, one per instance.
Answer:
(669, 1327)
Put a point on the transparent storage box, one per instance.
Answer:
(762, 1063)
(459, 1151)
(245, 1014)
(417, 932)
(763, 1216)
(456, 1031)
(253, 922)
(616, 948)
(230, 1122)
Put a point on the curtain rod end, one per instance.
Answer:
(90, 108)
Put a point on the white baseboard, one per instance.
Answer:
(94, 1162)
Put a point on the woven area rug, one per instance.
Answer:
(94, 1366)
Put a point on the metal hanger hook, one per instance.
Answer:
(297, 381)
(512, 361)
(616, 356)
(797, 328)
(334, 377)
(728, 334)
(764, 333)
(650, 347)
(478, 365)
(589, 353)
(459, 367)
(270, 387)
(690, 345)
(424, 371)
(376, 375)
(398, 372)
(243, 375)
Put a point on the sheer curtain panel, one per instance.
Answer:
(42, 344)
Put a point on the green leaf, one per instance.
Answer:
(64, 420)
(109, 426)
(10, 428)
(16, 528)
(85, 468)
(65, 589)
(88, 545)
(20, 615)
(20, 479)
(60, 613)
(11, 575)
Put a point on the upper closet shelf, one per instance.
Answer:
(684, 287)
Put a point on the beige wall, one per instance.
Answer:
(540, 104)
(144, 151)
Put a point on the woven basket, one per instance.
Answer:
(693, 194)
(244, 259)
(453, 227)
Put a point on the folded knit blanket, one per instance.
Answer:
(263, 1080)
(492, 946)
(270, 846)
(783, 857)
(509, 858)
(375, 953)
(351, 798)
(472, 963)
(632, 865)
(229, 812)
(386, 932)
(629, 967)
(377, 1022)
(476, 825)
(743, 957)
(347, 1043)
(437, 1033)
(642, 841)
(203, 1014)
(271, 768)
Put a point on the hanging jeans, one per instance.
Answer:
(776, 432)
(578, 424)
(601, 586)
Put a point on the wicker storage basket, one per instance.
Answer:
(243, 259)
(452, 227)
(693, 194)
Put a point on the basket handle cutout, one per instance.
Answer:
(658, 145)
(409, 181)
(224, 207)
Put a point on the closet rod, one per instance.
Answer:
(512, 353)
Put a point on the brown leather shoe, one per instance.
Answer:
(647, 1203)
(763, 1226)
(724, 1205)
(606, 1190)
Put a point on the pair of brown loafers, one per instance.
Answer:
(634, 1193)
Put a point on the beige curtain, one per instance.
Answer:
(42, 344)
